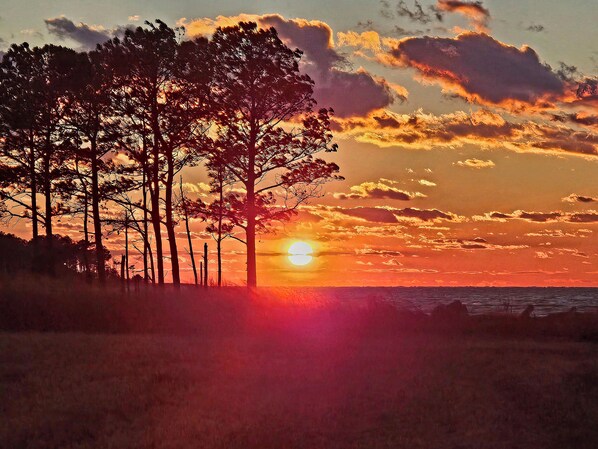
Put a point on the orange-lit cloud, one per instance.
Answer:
(484, 128)
(391, 215)
(590, 216)
(575, 198)
(382, 189)
(473, 10)
(481, 69)
(476, 163)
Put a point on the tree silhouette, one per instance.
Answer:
(268, 132)
(41, 76)
(95, 128)
(165, 86)
(103, 134)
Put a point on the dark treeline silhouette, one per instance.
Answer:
(102, 137)
(70, 258)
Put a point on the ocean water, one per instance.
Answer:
(477, 299)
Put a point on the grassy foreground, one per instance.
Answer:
(295, 391)
(166, 370)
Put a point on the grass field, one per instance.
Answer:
(285, 390)
(87, 368)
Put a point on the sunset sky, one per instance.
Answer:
(468, 158)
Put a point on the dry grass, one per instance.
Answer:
(223, 370)
(285, 390)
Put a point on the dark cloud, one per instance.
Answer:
(417, 13)
(535, 28)
(382, 189)
(481, 68)
(539, 217)
(473, 10)
(313, 38)
(500, 215)
(577, 118)
(81, 33)
(575, 198)
(424, 214)
(560, 139)
(387, 215)
(353, 93)
(349, 93)
(373, 214)
(588, 89)
(377, 194)
(401, 32)
(590, 216)
(366, 25)
(584, 217)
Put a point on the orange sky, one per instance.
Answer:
(468, 158)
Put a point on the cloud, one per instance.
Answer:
(390, 215)
(583, 119)
(473, 10)
(535, 28)
(322, 62)
(575, 198)
(315, 38)
(481, 128)
(425, 182)
(584, 217)
(539, 217)
(476, 163)
(373, 214)
(425, 214)
(479, 68)
(382, 189)
(418, 14)
(86, 35)
(589, 216)
(476, 243)
(31, 32)
(421, 130)
(134, 18)
(200, 188)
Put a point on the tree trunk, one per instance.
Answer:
(155, 191)
(155, 214)
(174, 255)
(189, 239)
(48, 217)
(145, 227)
(250, 231)
(205, 264)
(127, 246)
(220, 213)
(33, 178)
(34, 218)
(219, 245)
(86, 231)
(151, 259)
(95, 211)
(251, 260)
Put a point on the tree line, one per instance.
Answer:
(102, 137)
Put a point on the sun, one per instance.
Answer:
(300, 253)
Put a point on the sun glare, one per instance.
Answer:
(300, 253)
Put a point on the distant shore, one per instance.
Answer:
(45, 304)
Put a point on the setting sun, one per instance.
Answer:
(300, 253)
